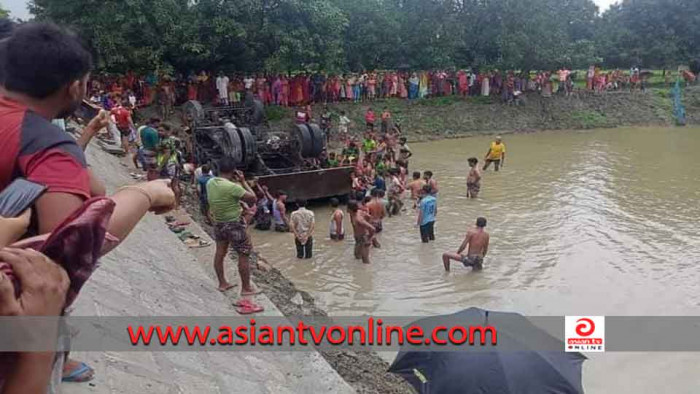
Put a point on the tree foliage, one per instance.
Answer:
(339, 35)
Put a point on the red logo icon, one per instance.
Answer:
(585, 327)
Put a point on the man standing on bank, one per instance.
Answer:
(225, 193)
(496, 154)
(478, 241)
(302, 225)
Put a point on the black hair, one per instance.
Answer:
(281, 193)
(359, 196)
(416, 174)
(6, 29)
(481, 222)
(301, 203)
(227, 165)
(352, 206)
(206, 169)
(166, 127)
(381, 193)
(375, 192)
(428, 173)
(40, 58)
(367, 199)
(334, 202)
(427, 189)
(152, 121)
(472, 160)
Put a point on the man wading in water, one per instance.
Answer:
(496, 154)
(478, 240)
(363, 231)
(474, 178)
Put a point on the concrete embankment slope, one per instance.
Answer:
(154, 274)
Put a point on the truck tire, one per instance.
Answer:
(319, 142)
(193, 110)
(250, 147)
(305, 140)
(234, 145)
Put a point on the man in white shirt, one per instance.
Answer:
(248, 83)
(302, 225)
(222, 86)
(343, 125)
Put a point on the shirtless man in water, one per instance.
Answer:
(363, 231)
(376, 211)
(474, 178)
(415, 186)
(478, 241)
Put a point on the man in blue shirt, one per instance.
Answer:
(379, 182)
(427, 211)
(202, 183)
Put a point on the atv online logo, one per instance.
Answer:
(584, 333)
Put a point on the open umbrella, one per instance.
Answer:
(528, 359)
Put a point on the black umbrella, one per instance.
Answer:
(528, 359)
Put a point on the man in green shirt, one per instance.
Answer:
(225, 199)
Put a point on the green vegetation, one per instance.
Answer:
(339, 35)
(589, 119)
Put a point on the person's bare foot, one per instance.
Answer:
(253, 290)
(225, 286)
(446, 263)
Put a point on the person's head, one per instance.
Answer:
(416, 175)
(301, 203)
(369, 109)
(402, 140)
(375, 192)
(154, 122)
(206, 169)
(166, 130)
(342, 113)
(359, 196)
(381, 194)
(367, 200)
(353, 207)
(386, 109)
(472, 161)
(481, 222)
(227, 167)
(335, 203)
(45, 63)
(499, 139)
(427, 189)
(427, 175)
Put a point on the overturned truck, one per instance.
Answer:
(280, 159)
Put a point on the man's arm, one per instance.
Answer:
(364, 223)
(420, 216)
(53, 208)
(486, 245)
(487, 154)
(464, 243)
(503, 157)
(283, 212)
(338, 223)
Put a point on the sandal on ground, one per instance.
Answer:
(81, 374)
(248, 308)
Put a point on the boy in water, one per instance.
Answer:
(336, 228)
(395, 191)
(363, 232)
(415, 186)
(427, 212)
(376, 210)
(474, 178)
(478, 241)
(428, 176)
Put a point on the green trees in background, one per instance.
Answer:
(339, 35)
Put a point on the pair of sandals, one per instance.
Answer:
(245, 306)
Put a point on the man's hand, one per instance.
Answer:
(12, 229)
(162, 195)
(98, 122)
(44, 284)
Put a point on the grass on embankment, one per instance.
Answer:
(445, 117)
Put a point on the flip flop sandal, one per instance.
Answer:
(242, 302)
(81, 374)
(184, 236)
(249, 309)
(182, 223)
(170, 219)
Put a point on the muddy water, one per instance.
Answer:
(596, 222)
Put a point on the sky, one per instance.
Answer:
(18, 8)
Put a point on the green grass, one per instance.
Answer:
(589, 119)
(275, 113)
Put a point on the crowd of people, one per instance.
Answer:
(313, 88)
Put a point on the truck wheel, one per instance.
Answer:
(250, 147)
(318, 141)
(305, 140)
(234, 145)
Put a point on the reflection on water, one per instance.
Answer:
(600, 222)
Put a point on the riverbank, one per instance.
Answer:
(449, 117)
